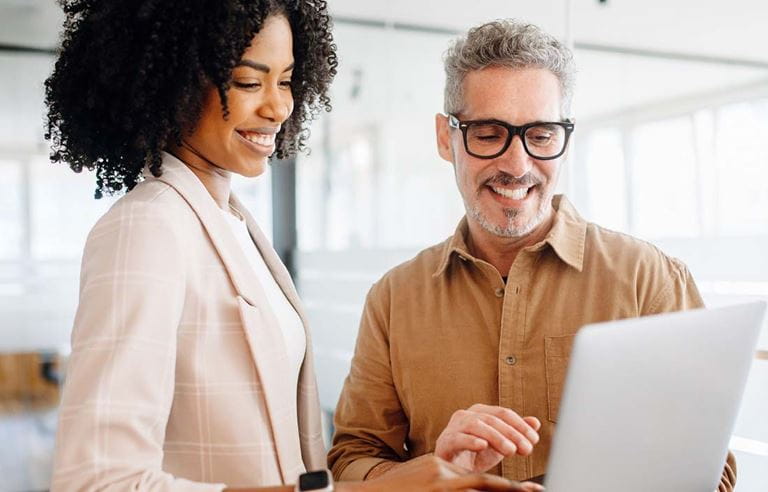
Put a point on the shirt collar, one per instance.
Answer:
(456, 245)
(568, 234)
(567, 238)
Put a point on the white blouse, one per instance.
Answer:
(290, 323)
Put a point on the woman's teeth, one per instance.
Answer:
(515, 194)
(260, 138)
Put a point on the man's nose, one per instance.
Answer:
(515, 161)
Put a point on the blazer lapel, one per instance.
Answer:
(308, 401)
(262, 330)
(267, 347)
(273, 261)
(184, 181)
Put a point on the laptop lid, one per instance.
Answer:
(650, 403)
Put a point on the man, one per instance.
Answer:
(462, 351)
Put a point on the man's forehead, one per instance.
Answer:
(501, 90)
(500, 75)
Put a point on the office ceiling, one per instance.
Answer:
(733, 29)
(705, 46)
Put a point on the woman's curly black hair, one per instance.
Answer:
(132, 74)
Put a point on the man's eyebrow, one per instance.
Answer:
(260, 66)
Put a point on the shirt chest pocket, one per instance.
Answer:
(557, 351)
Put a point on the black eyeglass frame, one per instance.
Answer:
(512, 130)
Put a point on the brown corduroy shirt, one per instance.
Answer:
(444, 331)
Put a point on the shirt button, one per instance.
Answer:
(499, 292)
(511, 360)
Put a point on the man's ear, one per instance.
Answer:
(443, 137)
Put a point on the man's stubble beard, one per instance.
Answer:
(510, 230)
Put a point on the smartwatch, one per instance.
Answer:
(317, 481)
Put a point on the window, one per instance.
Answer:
(606, 178)
(663, 179)
(11, 184)
(742, 169)
(701, 174)
(63, 209)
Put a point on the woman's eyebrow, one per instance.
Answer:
(260, 66)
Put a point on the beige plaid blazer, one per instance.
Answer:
(177, 378)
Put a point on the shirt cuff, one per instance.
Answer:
(358, 469)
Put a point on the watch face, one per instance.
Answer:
(314, 480)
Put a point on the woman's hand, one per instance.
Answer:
(432, 474)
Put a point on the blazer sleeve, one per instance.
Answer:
(120, 378)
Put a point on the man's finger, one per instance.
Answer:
(533, 422)
(495, 438)
(532, 487)
(522, 442)
(466, 442)
(512, 418)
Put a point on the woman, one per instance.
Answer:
(191, 368)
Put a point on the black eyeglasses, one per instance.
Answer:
(487, 139)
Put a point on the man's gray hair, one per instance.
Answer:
(507, 43)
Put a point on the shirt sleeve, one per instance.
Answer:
(120, 377)
(678, 293)
(371, 426)
(677, 290)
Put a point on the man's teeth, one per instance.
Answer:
(516, 194)
(260, 138)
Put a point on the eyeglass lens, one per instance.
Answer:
(487, 139)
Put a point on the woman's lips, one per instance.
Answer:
(262, 143)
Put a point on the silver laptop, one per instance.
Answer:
(650, 403)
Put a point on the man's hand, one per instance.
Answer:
(478, 438)
(431, 474)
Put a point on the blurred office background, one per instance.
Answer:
(671, 145)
